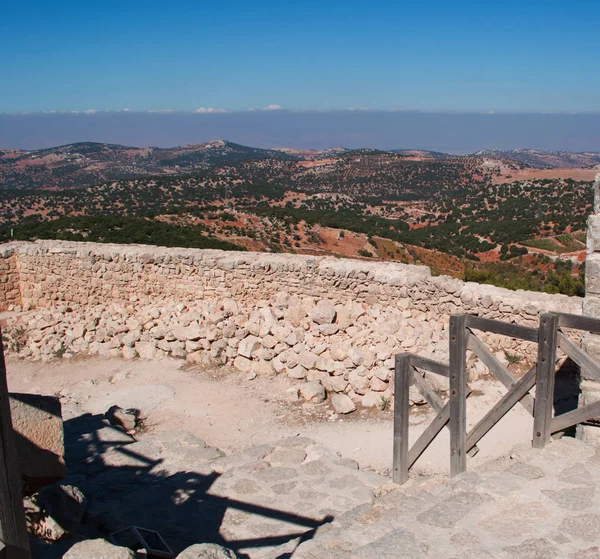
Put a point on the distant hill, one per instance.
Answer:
(539, 159)
(88, 163)
(421, 153)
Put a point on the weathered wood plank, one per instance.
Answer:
(503, 328)
(504, 405)
(402, 381)
(458, 396)
(430, 433)
(566, 420)
(13, 532)
(579, 356)
(428, 393)
(578, 322)
(544, 392)
(429, 365)
(501, 372)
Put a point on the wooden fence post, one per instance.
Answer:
(402, 382)
(458, 394)
(13, 531)
(544, 392)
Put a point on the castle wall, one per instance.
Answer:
(328, 323)
(10, 294)
(53, 272)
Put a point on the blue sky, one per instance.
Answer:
(527, 56)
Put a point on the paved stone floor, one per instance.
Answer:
(295, 498)
(533, 504)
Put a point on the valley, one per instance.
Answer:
(514, 218)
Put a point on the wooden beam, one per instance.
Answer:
(544, 392)
(402, 381)
(428, 393)
(430, 433)
(13, 531)
(566, 420)
(458, 394)
(578, 322)
(510, 399)
(579, 356)
(503, 328)
(501, 372)
(429, 365)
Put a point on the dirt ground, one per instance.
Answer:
(229, 411)
(533, 174)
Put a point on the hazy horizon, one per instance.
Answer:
(450, 132)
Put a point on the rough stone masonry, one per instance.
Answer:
(330, 324)
(590, 388)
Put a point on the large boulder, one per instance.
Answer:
(98, 549)
(38, 426)
(207, 551)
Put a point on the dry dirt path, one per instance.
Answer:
(228, 411)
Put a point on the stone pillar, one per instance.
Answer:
(590, 388)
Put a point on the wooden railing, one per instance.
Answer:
(551, 338)
(453, 414)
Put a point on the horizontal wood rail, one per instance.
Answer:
(502, 328)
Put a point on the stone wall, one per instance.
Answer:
(330, 324)
(10, 294)
(590, 388)
(53, 272)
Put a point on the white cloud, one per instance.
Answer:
(90, 112)
(272, 108)
(161, 111)
(126, 110)
(203, 110)
(358, 108)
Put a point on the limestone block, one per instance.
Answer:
(592, 274)
(593, 234)
(360, 384)
(313, 392)
(248, 346)
(98, 549)
(207, 551)
(307, 359)
(37, 421)
(342, 403)
(591, 306)
(324, 312)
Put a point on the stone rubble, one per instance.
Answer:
(318, 320)
(358, 360)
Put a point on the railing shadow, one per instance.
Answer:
(137, 492)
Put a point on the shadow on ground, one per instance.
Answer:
(124, 487)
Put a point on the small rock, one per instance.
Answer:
(251, 375)
(313, 392)
(207, 551)
(127, 419)
(323, 312)
(342, 403)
